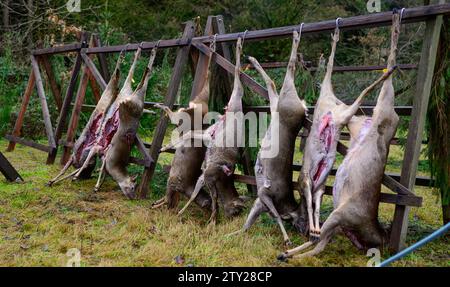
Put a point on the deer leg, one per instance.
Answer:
(166, 110)
(308, 198)
(101, 176)
(214, 205)
(67, 176)
(198, 186)
(262, 193)
(61, 173)
(351, 110)
(285, 255)
(317, 202)
(273, 96)
(91, 154)
(255, 212)
(328, 230)
(159, 203)
(185, 138)
(324, 239)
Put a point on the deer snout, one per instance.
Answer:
(128, 188)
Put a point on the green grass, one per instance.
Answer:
(39, 224)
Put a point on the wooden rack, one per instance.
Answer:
(402, 184)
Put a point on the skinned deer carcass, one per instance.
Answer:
(87, 140)
(356, 191)
(111, 121)
(274, 172)
(125, 115)
(330, 116)
(222, 152)
(187, 161)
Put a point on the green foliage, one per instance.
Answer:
(439, 119)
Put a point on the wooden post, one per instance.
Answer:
(8, 170)
(23, 109)
(86, 78)
(223, 88)
(104, 71)
(177, 74)
(202, 65)
(68, 98)
(416, 127)
(56, 91)
(73, 124)
(45, 111)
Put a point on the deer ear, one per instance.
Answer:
(134, 178)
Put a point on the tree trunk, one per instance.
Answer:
(30, 27)
(5, 14)
(446, 213)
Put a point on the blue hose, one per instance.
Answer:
(416, 245)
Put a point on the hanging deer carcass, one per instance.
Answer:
(90, 134)
(224, 138)
(273, 167)
(126, 112)
(356, 191)
(330, 116)
(186, 165)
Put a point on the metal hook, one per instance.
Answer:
(301, 29)
(401, 14)
(212, 44)
(243, 37)
(337, 21)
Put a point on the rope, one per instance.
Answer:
(431, 237)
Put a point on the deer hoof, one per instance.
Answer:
(283, 257)
(314, 236)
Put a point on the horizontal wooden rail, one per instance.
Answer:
(337, 69)
(364, 110)
(420, 180)
(29, 143)
(400, 199)
(57, 50)
(410, 15)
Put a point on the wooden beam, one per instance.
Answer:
(73, 124)
(68, 97)
(104, 71)
(56, 91)
(416, 126)
(229, 67)
(175, 81)
(44, 106)
(8, 170)
(23, 109)
(406, 200)
(411, 15)
(29, 143)
(57, 50)
(202, 65)
(420, 180)
(336, 69)
(94, 71)
(363, 110)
